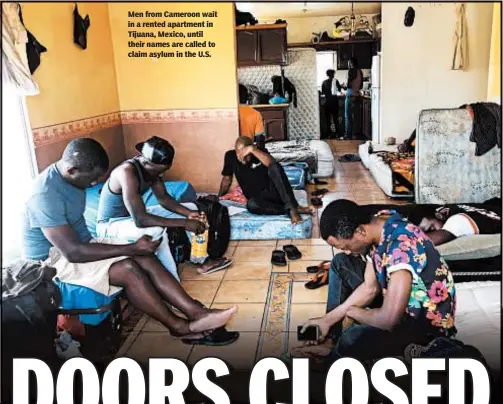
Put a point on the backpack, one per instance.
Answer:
(179, 244)
(219, 232)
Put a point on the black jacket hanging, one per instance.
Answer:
(80, 26)
(33, 47)
(281, 85)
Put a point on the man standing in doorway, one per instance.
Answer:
(355, 84)
(329, 89)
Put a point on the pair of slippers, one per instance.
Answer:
(320, 277)
(211, 266)
(320, 192)
(316, 202)
(279, 256)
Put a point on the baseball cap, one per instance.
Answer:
(157, 150)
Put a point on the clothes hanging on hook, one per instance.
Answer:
(460, 56)
(33, 47)
(80, 27)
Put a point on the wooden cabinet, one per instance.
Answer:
(362, 51)
(344, 53)
(367, 118)
(275, 120)
(261, 45)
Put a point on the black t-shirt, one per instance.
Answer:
(253, 178)
(484, 221)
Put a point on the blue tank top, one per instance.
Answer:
(112, 205)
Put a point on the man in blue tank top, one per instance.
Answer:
(122, 214)
(55, 218)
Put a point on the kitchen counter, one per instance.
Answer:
(367, 97)
(270, 105)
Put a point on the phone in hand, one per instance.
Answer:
(312, 333)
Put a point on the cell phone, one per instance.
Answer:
(312, 333)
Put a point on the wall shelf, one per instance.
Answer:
(331, 43)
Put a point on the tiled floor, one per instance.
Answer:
(272, 300)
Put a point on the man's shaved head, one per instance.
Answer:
(243, 141)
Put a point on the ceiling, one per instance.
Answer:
(284, 9)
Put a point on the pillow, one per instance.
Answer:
(471, 247)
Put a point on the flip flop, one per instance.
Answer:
(320, 192)
(319, 182)
(317, 202)
(292, 252)
(319, 280)
(217, 265)
(217, 337)
(278, 258)
(322, 266)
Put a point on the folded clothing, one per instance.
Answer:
(236, 195)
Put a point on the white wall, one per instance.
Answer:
(301, 29)
(416, 62)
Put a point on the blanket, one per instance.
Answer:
(486, 131)
(402, 168)
(294, 151)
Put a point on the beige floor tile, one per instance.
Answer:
(189, 273)
(300, 266)
(204, 291)
(242, 292)
(158, 345)
(281, 243)
(231, 250)
(153, 326)
(302, 295)
(258, 254)
(247, 319)
(309, 241)
(334, 196)
(276, 268)
(240, 354)
(248, 271)
(316, 252)
(233, 243)
(300, 313)
(258, 243)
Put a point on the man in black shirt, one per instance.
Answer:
(453, 221)
(329, 89)
(263, 181)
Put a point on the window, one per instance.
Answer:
(18, 171)
(324, 61)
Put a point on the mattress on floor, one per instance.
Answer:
(181, 191)
(363, 151)
(325, 158)
(294, 151)
(247, 226)
(296, 173)
(478, 318)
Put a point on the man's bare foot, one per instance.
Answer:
(306, 210)
(295, 216)
(211, 320)
(314, 351)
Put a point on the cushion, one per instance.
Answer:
(296, 175)
(472, 247)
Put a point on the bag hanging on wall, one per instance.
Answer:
(33, 47)
(80, 27)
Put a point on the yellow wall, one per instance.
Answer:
(494, 85)
(74, 83)
(171, 83)
(416, 62)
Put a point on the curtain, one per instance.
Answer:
(15, 70)
(460, 56)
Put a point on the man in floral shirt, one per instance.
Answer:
(401, 293)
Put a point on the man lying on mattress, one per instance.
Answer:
(263, 181)
(122, 213)
(55, 218)
(389, 279)
(453, 221)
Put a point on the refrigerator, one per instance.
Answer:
(375, 112)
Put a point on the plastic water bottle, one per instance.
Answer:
(199, 250)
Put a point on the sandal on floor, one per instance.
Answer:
(319, 192)
(319, 182)
(316, 202)
(217, 337)
(215, 265)
(292, 252)
(322, 266)
(278, 258)
(319, 280)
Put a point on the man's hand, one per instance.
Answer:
(245, 151)
(195, 216)
(145, 246)
(319, 322)
(195, 226)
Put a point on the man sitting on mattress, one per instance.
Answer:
(55, 218)
(122, 213)
(453, 221)
(263, 181)
(389, 279)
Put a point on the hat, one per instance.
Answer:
(157, 150)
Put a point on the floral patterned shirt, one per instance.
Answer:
(433, 295)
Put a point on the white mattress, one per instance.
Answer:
(363, 151)
(478, 316)
(325, 158)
